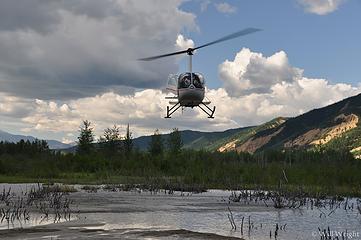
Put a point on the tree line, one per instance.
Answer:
(24, 147)
(111, 142)
(113, 158)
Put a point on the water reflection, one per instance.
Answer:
(23, 206)
(207, 213)
(134, 213)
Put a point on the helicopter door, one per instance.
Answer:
(172, 82)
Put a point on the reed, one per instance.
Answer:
(50, 202)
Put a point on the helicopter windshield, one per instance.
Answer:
(184, 80)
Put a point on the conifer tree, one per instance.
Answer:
(128, 141)
(86, 138)
(175, 142)
(156, 144)
(111, 139)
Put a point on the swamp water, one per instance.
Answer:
(144, 215)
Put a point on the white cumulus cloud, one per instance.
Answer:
(251, 72)
(144, 110)
(266, 87)
(224, 7)
(183, 43)
(321, 7)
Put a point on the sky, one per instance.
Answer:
(62, 62)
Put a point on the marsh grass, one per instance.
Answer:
(50, 201)
(90, 188)
(61, 188)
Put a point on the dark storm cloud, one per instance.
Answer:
(72, 49)
(43, 15)
(37, 15)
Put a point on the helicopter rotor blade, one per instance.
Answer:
(162, 56)
(190, 50)
(231, 36)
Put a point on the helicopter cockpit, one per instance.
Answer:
(184, 80)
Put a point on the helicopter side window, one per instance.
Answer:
(196, 81)
(184, 81)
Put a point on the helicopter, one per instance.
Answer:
(190, 86)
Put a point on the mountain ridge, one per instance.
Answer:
(318, 127)
(8, 137)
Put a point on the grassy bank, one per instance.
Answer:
(73, 178)
(176, 183)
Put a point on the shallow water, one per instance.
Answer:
(133, 215)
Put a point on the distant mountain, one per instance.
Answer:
(191, 140)
(195, 139)
(53, 144)
(335, 126)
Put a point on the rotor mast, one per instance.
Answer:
(190, 54)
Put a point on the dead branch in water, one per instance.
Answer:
(48, 201)
(231, 219)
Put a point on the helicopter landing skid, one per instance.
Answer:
(209, 111)
(173, 109)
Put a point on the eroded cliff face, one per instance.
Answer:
(317, 136)
(356, 152)
(256, 143)
(304, 139)
(321, 136)
(346, 123)
(231, 146)
(251, 142)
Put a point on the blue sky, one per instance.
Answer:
(325, 46)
